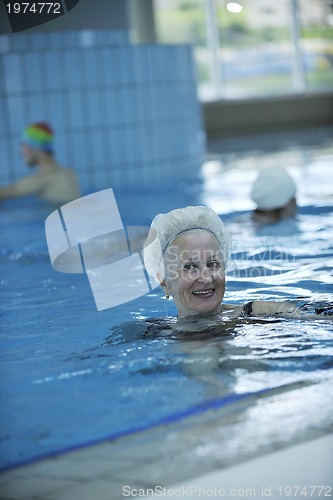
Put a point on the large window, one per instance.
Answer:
(253, 47)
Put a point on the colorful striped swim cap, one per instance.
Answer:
(40, 136)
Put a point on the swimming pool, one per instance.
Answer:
(71, 375)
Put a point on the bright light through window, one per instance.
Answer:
(257, 48)
(234, 7)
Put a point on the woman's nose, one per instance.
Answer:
(205, 275)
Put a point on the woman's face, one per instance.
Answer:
(194, 273)
(29, 155)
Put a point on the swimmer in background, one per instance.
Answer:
(52, 183)
(274, 193)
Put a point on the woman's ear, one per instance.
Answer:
(161, 279)
(165, 288)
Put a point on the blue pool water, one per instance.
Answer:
(71, 375)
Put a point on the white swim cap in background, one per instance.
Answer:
(273, 188)
(166, 227)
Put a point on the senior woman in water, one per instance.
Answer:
(187, 250)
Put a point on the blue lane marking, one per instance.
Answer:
(168, 419)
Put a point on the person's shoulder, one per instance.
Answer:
(57, 167)
(67, 171)
(59, 172)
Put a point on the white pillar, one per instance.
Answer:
(213, 46)
(298, 68)
(142, 21)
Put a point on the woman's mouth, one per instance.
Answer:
(204, 294)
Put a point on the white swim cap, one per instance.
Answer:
(273, 188)
(166, 227)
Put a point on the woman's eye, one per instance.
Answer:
(190, 266)
(214, 264)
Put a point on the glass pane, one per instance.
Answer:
(316, 31)
(252, 48)
(184, 21)
(256, 50)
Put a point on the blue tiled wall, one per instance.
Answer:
(122, 114)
